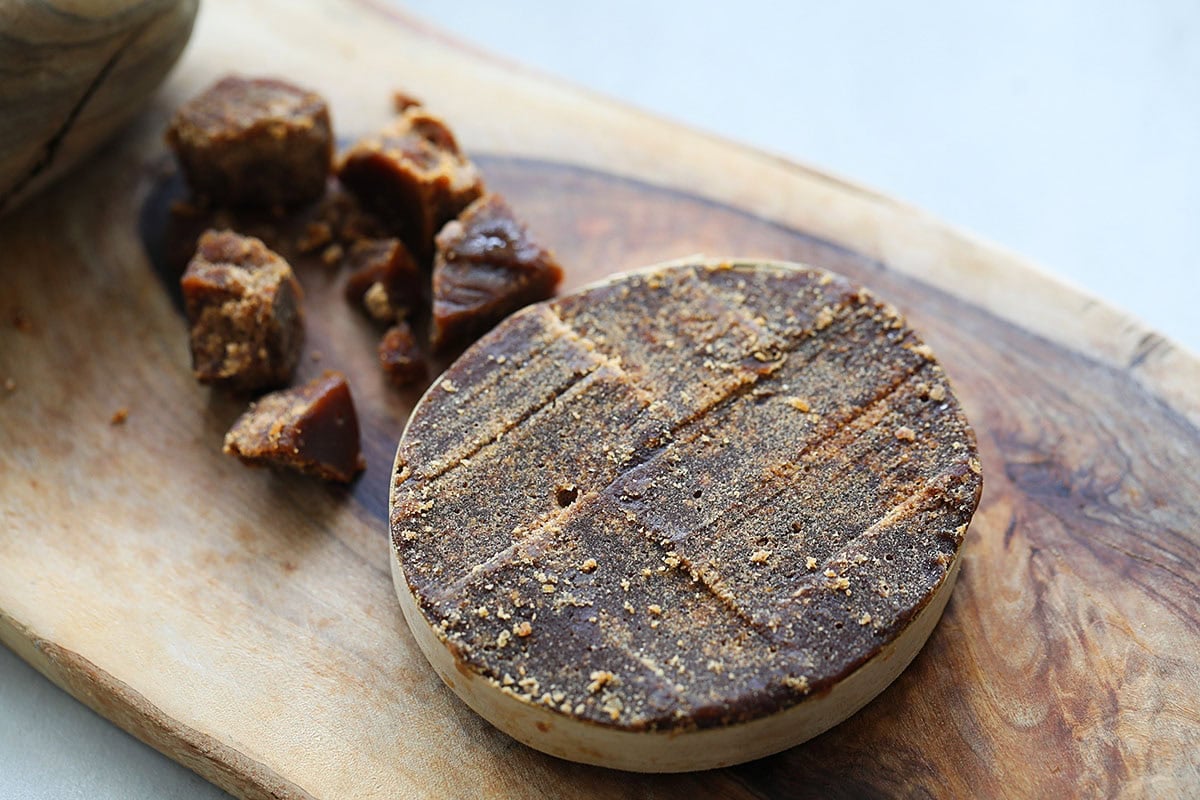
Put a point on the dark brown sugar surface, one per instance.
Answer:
(244, 305)
(687, 497)
(311, 429)
(254, 141)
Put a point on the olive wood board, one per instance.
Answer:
(244, 623)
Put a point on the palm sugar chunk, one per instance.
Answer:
(487, 267)
(384, 279)
(312, 429)
(413, 176)
(244, 306)
(399, 357)
(254, 142)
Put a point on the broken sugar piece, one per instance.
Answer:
(254, 141)
(399, 356)
(402, 101)
(312, 429)
(487, 267)
(244, 305)
(339, 218)
(413, 176)
(316, 235)
(384, 279)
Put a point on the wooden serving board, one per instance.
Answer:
(244, 623)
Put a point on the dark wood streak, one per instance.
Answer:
(1009, 531)
(1147, 345)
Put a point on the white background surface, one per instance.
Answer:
(1066, 131)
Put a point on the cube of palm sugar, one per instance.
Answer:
(399, 356)
(486, 267)
(311, 429)
(384, 279)
(413, 176)
(254, 142)
(244, 306)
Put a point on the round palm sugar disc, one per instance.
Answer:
(684, 518)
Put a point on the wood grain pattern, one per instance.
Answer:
(244, 623)
(74, 74)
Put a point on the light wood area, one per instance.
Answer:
(245, 624)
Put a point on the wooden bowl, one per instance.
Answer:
(75, 72)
